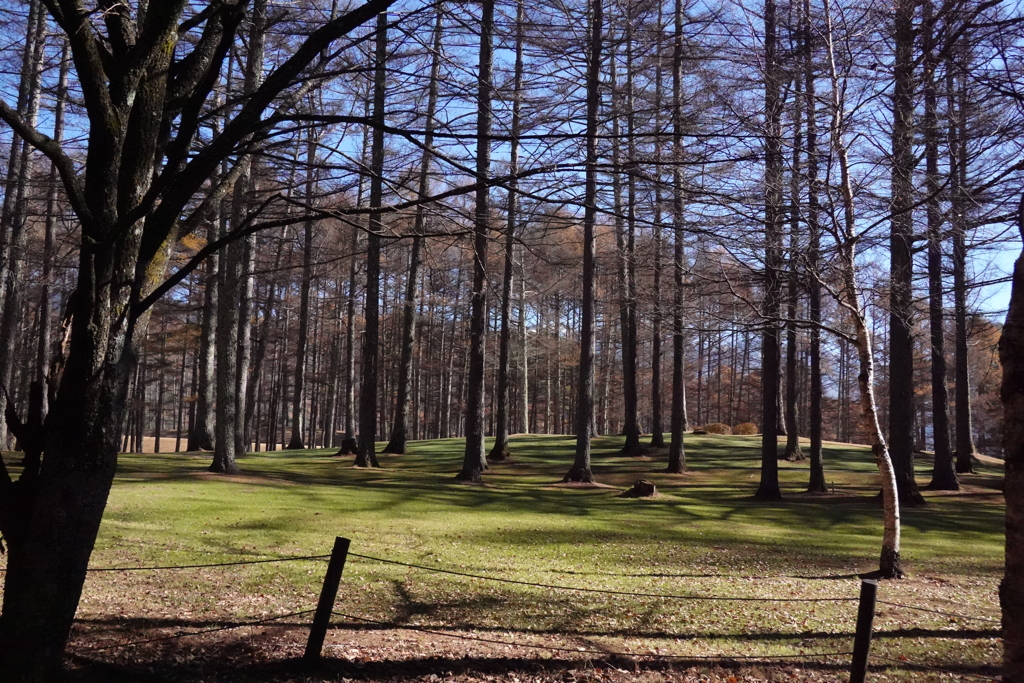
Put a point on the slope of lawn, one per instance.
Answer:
(702, 536)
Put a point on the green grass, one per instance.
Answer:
(702, 535)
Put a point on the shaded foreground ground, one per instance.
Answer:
(788, 571)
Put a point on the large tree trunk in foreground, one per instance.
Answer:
(1011, 355)
(768, 489)
(129, 217)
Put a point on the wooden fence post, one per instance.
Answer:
(328, 595)
(862, 640)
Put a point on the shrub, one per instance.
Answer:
(717, 428)
(745, 429)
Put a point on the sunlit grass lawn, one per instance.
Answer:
(703, 535)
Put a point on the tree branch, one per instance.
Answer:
(49, 147)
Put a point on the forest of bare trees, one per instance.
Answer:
(305, 223)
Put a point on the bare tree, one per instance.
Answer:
(580, 470)
(768, 489)
(367, 453)
(474, 462)
(139, 176)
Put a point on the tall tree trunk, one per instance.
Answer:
(235, 289)
(901, 261)
(259, 351)
(399, 430)
(158, 413)
(817, 483)
(524, 358)
(475, 460)
(179, 421)
(1011, 356)
(958, 159)
(793, 452)
(295, 441)
(350, 356)
(367, 455)
(201, 435)
(769, 485)
(243, 364)
(230, 274)
(676, 451)
(943, 473)
(657, 428)
(629, 327)
(500, 449)
(580, 470)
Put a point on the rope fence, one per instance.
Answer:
(328, 597)
(294, 558)
(666, 596)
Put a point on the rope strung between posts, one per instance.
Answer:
(576, 650)
(939, 612)
(205, 566)
(295, 558)
(597, 590)
(198, 633)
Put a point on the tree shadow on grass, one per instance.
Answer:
(144, 628)
(430, 668)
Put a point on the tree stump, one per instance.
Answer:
(642, 488)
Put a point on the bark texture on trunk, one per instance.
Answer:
(1011, 355)
(768, 489)
(201, 435)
